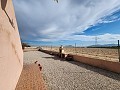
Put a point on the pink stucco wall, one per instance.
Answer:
(11, 54)
(108, 65)
(104, 64)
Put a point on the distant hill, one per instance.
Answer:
(105, 45)
(69, 46)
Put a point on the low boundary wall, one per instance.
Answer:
(53, 53)
(107, 65)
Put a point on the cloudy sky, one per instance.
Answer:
(46, 22)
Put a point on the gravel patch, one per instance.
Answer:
(70, 75)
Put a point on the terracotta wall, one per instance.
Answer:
(11, 54)
(108, 65)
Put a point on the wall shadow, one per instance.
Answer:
(106, 73)
(54, 57)
(3, 6)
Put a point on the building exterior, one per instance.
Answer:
(11, 54)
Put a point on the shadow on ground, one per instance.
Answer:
(54, 57)
(106, 73)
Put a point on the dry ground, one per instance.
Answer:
(99, 53)
(70, 75)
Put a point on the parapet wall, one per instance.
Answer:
(11, 54)
(107, 65)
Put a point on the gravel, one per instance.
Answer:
(70, 75)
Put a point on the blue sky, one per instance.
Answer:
(45, 22)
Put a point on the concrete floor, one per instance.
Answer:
(31, 78)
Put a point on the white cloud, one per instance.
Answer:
(103, 37)
(50, 21)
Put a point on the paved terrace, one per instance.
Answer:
(31, 78)
(70, 75)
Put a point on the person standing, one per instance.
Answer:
(61, 51)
